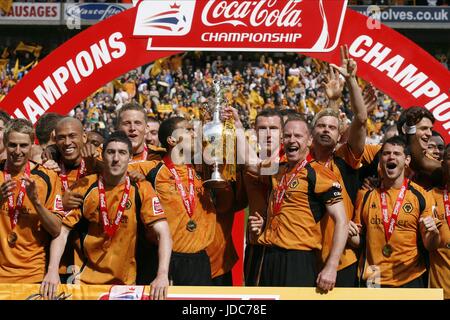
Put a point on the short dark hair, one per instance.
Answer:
(418, 114)
(298, 117)
(5, 117)
(287, 112)
(447, 149)
(437, 134)
(152, 119)
(166, 129)
(131, 107)
(45, 126)
(268, 113)
(118, 136)
(397, 141)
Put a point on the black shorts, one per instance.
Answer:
(348, 277)
(288, 268)
(224, 280)
(190, 269)
(252, 263)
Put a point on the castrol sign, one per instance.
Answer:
(232, 25)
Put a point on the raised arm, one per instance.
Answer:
(358, 131)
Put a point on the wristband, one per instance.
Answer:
(409, 129)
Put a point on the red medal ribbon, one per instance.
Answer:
(389, 224)
(110, 229)
(189, 202)
(447, 206)
(14, 211)
(63, 174)
(283, 185)
(145, 152)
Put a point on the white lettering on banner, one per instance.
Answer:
(409, 77)
(250, 37)
(83, 65)
(251, 13)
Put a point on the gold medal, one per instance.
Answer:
(274, 224)
(191, 225)
(12, 238)
(387, 250)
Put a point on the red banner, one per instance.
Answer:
(241, 25)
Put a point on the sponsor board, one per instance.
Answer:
(91, 13)
(27, 12)
(293, 25)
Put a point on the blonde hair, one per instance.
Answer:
(18, 125)
(328, 112)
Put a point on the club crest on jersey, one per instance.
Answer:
(294, 184)
(407, 207)
(128, 204)
(157, 208)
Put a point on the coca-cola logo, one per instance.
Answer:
(252, 13)
(268, 25)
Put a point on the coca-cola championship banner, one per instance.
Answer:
(271, 25)
(156, 28)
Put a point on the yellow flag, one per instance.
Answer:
(6, 5)
(256, 98)
(158, 66)
(16, 70)
(23, 47)
(37, 51)
(26, 67)
(117, 84)
(3, 64)
(5, 53)
(164, 108)
(318, 63)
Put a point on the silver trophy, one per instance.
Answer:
(212, 134)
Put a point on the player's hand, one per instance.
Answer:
(326, 279)
(353, 229)
(348, 65)
(255, 223)
(51, 165)
(49, 285)
(159, 287)
(72, 200)
(136, 176)
(430, 224)
(7, 189)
